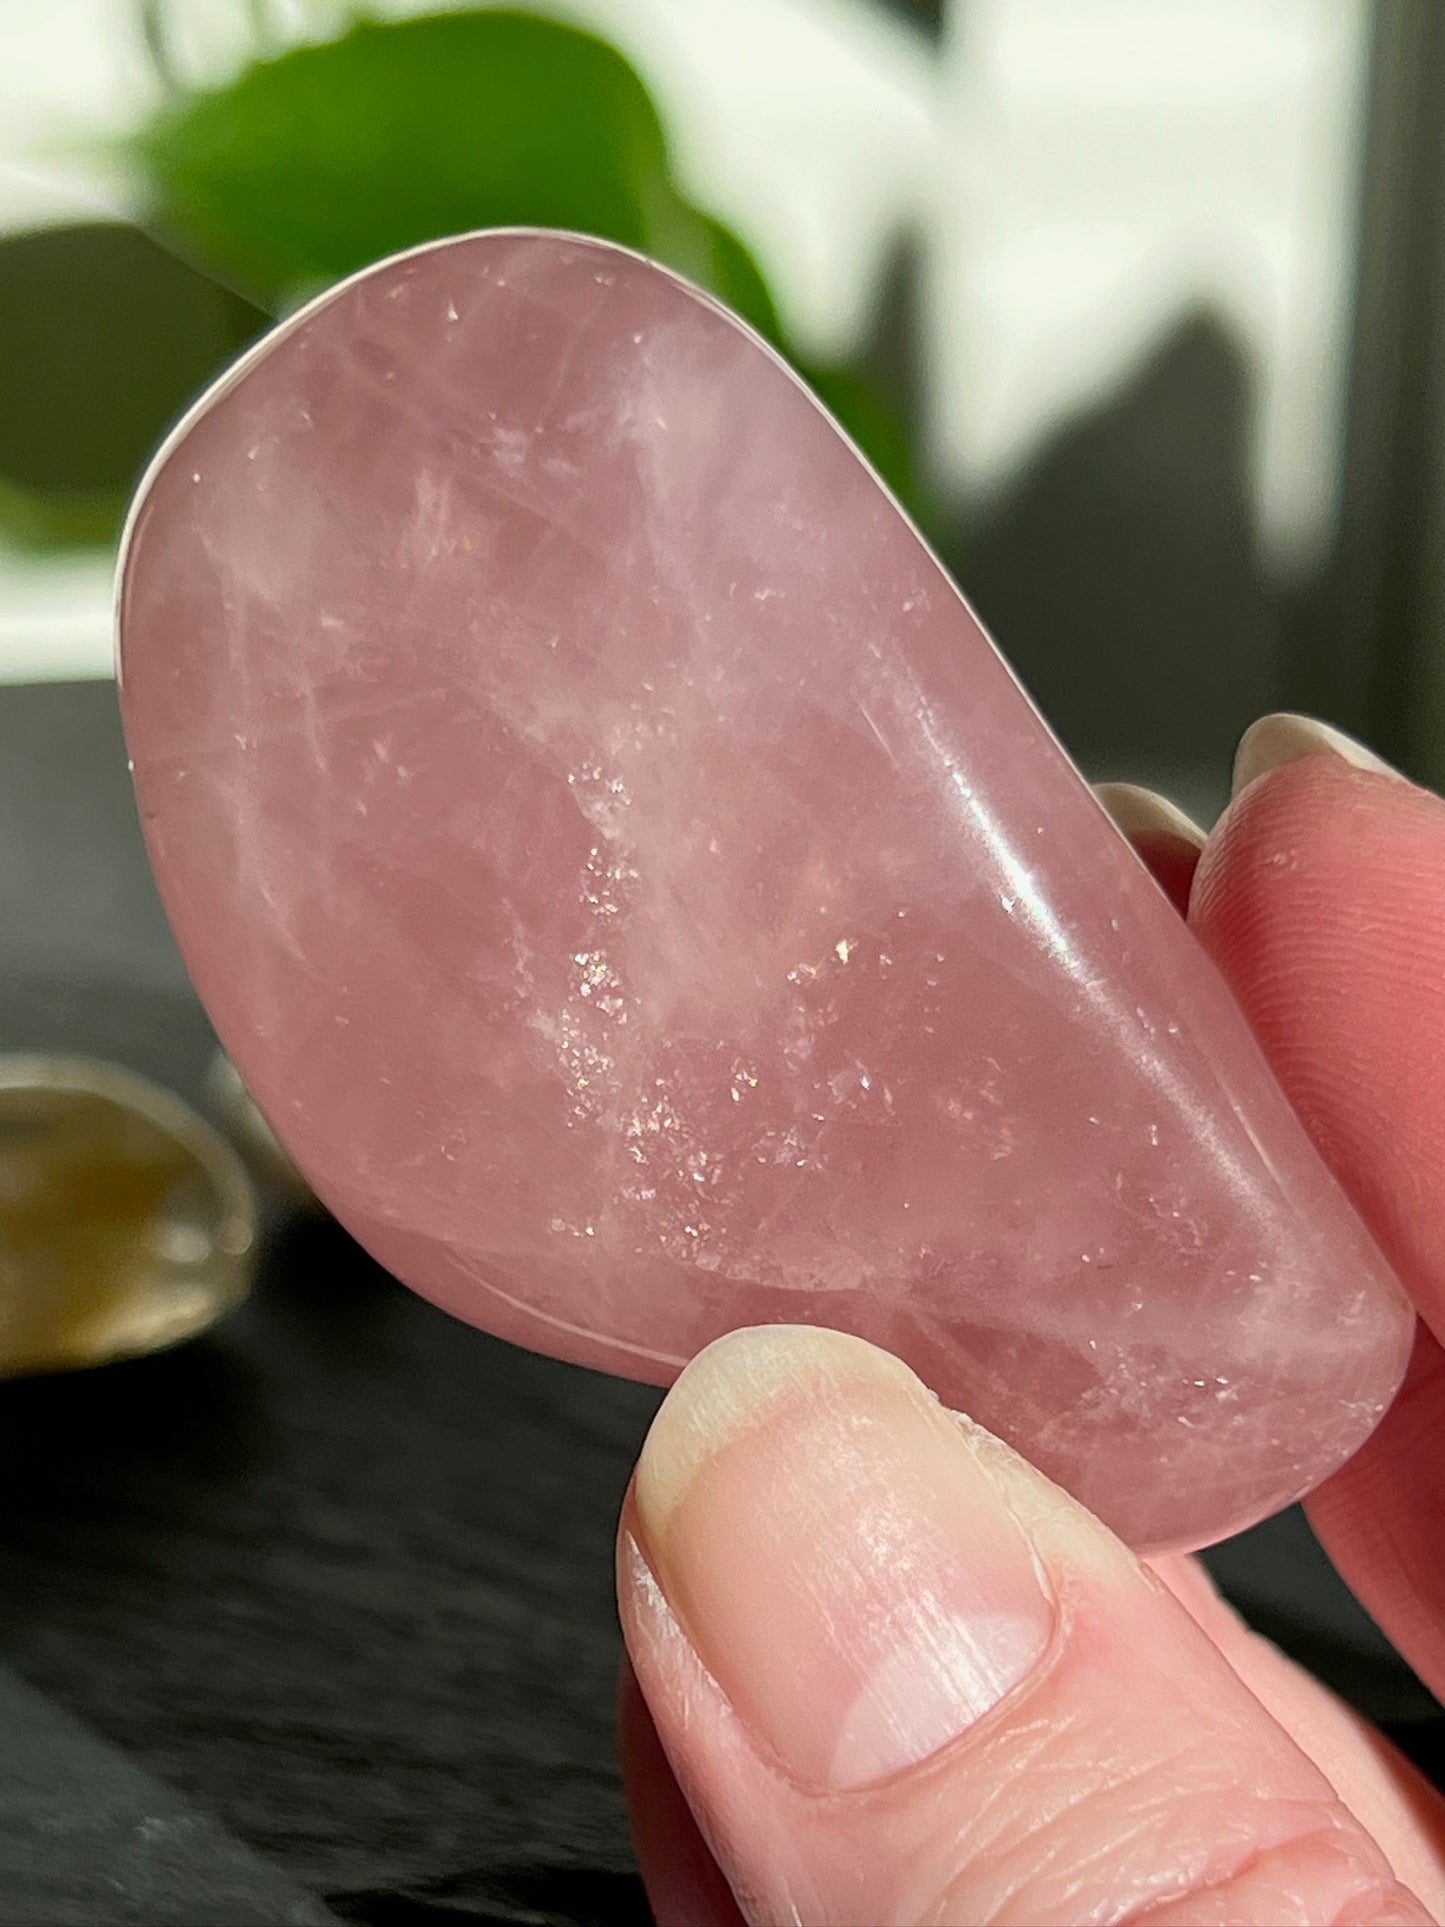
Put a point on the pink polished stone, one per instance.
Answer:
(644, 902)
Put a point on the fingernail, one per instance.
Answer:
(831, 1544)
(1283, 739)
(1141, 812)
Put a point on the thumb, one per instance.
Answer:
(902, 1678)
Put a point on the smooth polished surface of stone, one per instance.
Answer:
(643, 902)
(265, 1155)
(126, 1223)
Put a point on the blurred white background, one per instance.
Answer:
(1079, 174)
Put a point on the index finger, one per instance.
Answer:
(1321, 896)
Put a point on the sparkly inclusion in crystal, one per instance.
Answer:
(644, 903)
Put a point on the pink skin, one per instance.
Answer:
(882, 1670)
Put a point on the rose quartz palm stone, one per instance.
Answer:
(644, 903)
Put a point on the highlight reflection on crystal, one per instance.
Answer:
(644, 903)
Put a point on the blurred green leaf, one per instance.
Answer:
(314, 164)
(43, 521)
(326, 158)
(106, 337)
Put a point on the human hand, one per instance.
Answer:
(902, 1678)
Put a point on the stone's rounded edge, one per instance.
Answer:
(1147, 1547)
(1407, 1332)
(261, 1149)
(455, 1290)
(289, 324)
(519, 1324)
(171, 1115)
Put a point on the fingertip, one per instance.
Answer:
(733, 1386)
(1285, 738)
(792, 1448)
(1144, 812)
(1321, 895)
(1167, 841)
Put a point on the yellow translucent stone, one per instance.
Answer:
(266, 1157)
(126, 1223)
